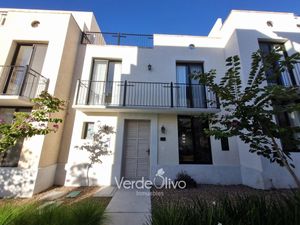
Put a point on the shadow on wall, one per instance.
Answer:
(78, 173)
(16, 182)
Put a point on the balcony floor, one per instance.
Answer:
(137, 109)
(15, 100)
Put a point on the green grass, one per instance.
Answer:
(247, 210)
(87, 212)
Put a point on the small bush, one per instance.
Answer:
(183, 176)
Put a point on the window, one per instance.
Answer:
(88, 130)
(10, 158)
(102, 79)
(286, 78)
(224, 144)
(194, 144)
(189, 93)
(19, 82)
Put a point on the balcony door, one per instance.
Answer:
(189, 92)
(31, 55)
(102, 89)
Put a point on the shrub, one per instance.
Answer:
(183, 176)
(87, 212)
(249, 210)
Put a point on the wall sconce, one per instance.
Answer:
(163, 129)
(149, 67)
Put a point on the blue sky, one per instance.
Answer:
(194, 17)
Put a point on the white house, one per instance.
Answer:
(138, 84)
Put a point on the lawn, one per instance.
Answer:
(225, 205)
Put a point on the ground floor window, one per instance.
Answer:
(194, 144)
(10, 158)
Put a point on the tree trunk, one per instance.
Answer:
(286, 163)
(87, 175)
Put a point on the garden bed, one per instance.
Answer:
(225, 205)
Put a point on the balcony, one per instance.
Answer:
(108, 38)
(18, 84)
(144, 96)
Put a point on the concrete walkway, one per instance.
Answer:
(129, 207)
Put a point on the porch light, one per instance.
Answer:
(163, 129)
(149, 67)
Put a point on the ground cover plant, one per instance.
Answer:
(86, 212)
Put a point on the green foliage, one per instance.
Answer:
(40, 121)
(183, 176)
(250, 112)
(87, 212)
(246, 210)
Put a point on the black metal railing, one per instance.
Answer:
(21, 81)
(109, 38)
(144, 94)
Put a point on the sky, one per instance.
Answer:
(192, 17)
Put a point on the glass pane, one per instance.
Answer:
(202, 141)
(96, 95)
(114, 70)
(88, 130)
(185, 138)
(17, 74)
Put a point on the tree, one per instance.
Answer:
(40, 121)
(251, 112)
(97, 147)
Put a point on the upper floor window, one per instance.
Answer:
(18, 80)
(287, 78)
(194, 144)
(104, 74)
(189, 93)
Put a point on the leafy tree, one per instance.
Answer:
(40, 121)
(250, 112)
(97, 147)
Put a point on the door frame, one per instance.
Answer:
(118, 160)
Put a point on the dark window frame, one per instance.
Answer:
(85, 129)
(225, 144)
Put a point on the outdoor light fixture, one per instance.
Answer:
(163, 129)
(149, 67)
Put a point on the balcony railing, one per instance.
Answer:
(144, 94)
(108, 38)
(21, 81)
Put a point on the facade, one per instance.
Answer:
(138, 84)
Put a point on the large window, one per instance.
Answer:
(102, 86)
(188, 90)
(287, 78)
(10, 158)
(194, 144)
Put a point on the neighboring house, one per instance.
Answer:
(138, 84)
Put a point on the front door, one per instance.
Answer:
(136, 149)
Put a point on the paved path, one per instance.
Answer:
(129, 207)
